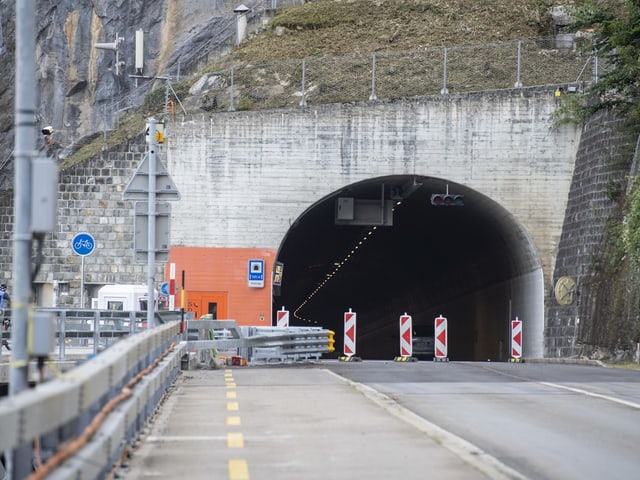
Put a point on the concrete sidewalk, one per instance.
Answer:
(287, 422)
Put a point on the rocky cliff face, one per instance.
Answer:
(81, 88)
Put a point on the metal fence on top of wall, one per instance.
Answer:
(396, 75)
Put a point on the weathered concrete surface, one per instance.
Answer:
(255, 173)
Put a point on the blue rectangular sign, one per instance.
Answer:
(256, 273)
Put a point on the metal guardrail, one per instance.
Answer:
(122, 386)
(259, 343)
(127, 381)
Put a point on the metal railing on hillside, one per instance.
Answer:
(397, 75)
(379, 76)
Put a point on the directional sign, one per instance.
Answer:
(441, 337)
(283, 318)
(406, 344)
(138, 187)
(164, 288)
(349, 333)
(516, 338)
(83, 244)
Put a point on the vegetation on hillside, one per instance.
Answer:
(337, 28)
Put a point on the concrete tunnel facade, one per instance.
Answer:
(474, 264)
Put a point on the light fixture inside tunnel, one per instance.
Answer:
(328, 276)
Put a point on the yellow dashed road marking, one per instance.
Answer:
(235, 440)
(231, 385)
(231, 394)
(238, 470)
(232, 406)
(233, 420)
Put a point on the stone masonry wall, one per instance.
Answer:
(598, 166)
(89, 200)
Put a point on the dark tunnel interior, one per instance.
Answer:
(434, 259)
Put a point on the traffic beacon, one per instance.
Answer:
(349, 348)
(441, 342)
(406, 340)
(516, 341)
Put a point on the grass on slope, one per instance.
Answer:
(339, 27)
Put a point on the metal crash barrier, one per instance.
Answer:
(224, 338)
(96, 410)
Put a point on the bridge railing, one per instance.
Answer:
(66, 419)
(93, 329)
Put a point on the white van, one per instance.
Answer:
(129, 298)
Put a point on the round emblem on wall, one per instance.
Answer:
(565, 290)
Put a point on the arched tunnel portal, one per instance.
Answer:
(383, 247)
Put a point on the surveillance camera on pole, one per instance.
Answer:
(47, 132)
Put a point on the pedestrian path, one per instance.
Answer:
(284, 423)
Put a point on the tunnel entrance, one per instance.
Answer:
(386, 246)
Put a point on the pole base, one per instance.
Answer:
(405, 359)
(347, 358)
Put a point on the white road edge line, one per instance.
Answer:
(592, 394)
(468, 452)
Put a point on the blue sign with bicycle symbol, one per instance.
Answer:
(83, 244)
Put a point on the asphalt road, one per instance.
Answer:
(545, 421)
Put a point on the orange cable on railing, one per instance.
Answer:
(75, 445)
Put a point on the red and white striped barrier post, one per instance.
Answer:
(406, 337)
(349, 333)
(441, 341)
(282, 318)
(516, 340)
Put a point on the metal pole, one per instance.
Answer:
(303, 101)
(151, 233)
(232, 108)
(518, 82)
(444, 90)
(82, 282)
(21, 459)
(373, 97)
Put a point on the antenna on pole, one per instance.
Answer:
(113, 46)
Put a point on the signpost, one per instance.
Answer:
(83, 244)
(150, 183)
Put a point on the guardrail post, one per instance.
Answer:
(62, 336)
(96, 331)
